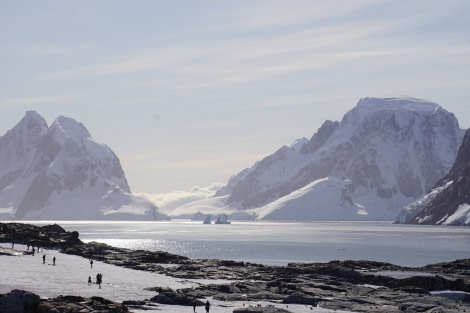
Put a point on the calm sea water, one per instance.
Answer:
(281, 243)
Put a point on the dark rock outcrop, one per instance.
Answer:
(358, 286)
(20, 301)
(55, 237)
(446, 202)
(175, 298)
(74, 304)
(266, 309)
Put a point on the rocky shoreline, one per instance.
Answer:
(359, 286)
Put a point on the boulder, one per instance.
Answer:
(175, 298)
(19, 301)
(260, 309)
(300, 299)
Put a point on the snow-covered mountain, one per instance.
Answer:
(60, 172)
(384, 154)
(449, 201)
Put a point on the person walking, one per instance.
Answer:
(99, 279)
(43, 259)
(91, 263)
(208, 305)
(89, 280)
(194, 305)
(53, 261)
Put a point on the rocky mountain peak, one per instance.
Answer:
(397, 103)
(61, 172)
(389, 150)
(18, 141)
(66, 127)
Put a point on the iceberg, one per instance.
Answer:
(222, 219)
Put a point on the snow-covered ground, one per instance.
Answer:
(69, 276)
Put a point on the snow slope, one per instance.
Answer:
(316, 196)
(70, 275)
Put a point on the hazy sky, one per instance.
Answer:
(191, 92)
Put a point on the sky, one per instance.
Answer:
(189, 93)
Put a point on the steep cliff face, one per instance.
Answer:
(61, 172)
(449, 201)
(392, 149)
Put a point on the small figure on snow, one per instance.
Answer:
(208, 305)
(43, 259)
(91, 263)
(89, 281)
(53, 261)
(99, 279)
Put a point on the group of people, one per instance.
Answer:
(32, 246)
(207, 306)
(44, 259)
(99, 276)
(99, 279)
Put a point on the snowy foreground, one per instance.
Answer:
(70, 275)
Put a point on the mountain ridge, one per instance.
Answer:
(59, 171)
(448, 203)
(388, 152)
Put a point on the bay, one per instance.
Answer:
(276, 243)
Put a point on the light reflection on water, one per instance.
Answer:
(281, 243)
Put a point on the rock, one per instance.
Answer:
(300, 299)
(259, 309)
(74, 304)
(19, 301)
(135, 303)
(55, 237)
(416, 307)
(175, 298)
(55, 228)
